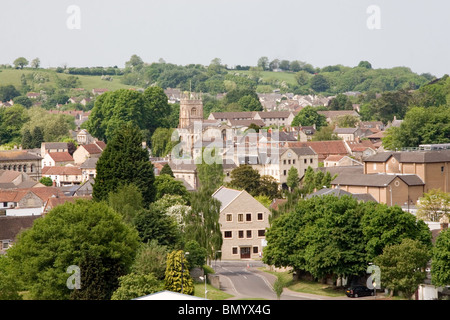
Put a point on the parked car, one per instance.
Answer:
(359, 291)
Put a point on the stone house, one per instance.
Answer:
(21, 161)
(86, 151)
(10, 227)
(53, 159)
(243, 221)
(62, 176)
(47, 147)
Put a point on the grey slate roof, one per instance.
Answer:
(413, 156)
(226, 196)
(374, 180)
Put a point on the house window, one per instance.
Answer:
(5, 245)
(374, 166)
(234, 250)
(227, 234)
(442, 169)
(255, 250)
(248, 217)
(289, 161)
(249, 233)
(305, 160)
(284, 161)
(240, 234)
(310, 160)
(229, 217)
(284, 172)
(293, 161)
(261, 233)
(240, 217)
(260, 216)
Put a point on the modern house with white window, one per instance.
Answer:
(243, 221)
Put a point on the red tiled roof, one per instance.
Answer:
(60, 156)
(61, 170)
(92, 148)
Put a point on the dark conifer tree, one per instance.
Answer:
(125, 161)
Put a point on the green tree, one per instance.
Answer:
(245, 178)
(387, 225)
(9, 286)
(127, 200)
(27, 140)
(293, 178)
(420, 126)
(314, 238)
(197, 254)
(165, 184)
(440, 272)
(308, 116)
(177, 277)
(134, 285)
(155, 224)
(8, 92)
(434, 205)
(167, 170)
(124, 161)
(68, 235)
(319, 83)
(365, 64)
(24, 101)
(202, 223)
(46, 181)
(210, 170)
(35, 63)
(325, 133)
(263, 63)
(403, 266)
(38, 137)
(12, 120)
(151, 259)
(20, 62)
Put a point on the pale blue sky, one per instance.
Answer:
(322, 32)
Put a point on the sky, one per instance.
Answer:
(81, 33)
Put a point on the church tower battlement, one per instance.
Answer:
(191, 109)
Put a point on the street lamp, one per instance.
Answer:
(182, 269)
(204, 278)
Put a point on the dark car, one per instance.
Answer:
(359, 291)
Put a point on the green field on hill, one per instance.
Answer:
(13, 76)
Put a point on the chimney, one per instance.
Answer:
(444, 223)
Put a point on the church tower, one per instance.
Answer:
(191, 109)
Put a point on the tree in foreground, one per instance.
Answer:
(434, 205)
(440, 270)
(177, 277)
(86, 234)
(134, 285)
(403, 266)
(123, 162)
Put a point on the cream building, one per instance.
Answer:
(243, 222)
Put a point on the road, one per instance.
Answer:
(243, 280)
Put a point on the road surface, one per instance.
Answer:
(243, 280)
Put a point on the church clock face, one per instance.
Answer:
(289, 154)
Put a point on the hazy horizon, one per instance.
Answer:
(410, 33)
